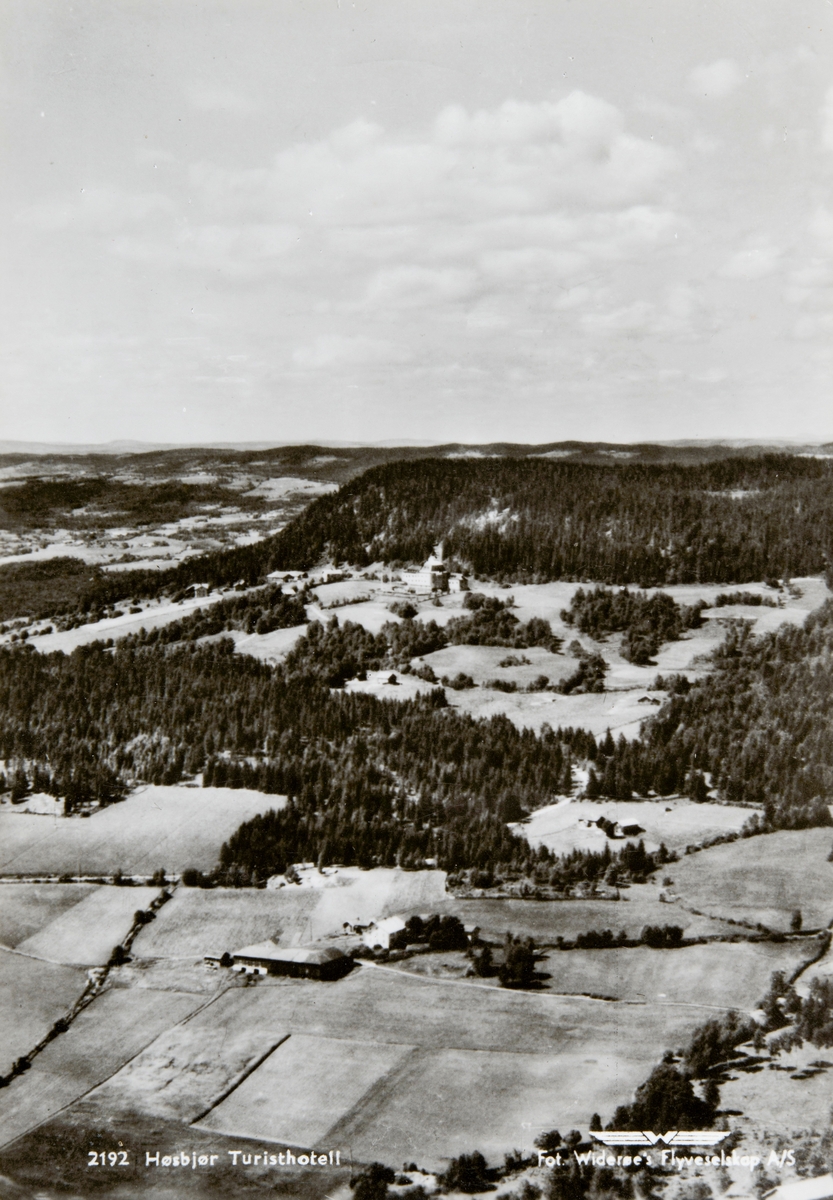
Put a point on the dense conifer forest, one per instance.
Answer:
(386, 781)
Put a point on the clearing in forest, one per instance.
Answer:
(678, 822)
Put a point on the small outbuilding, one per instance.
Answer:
(306, 962)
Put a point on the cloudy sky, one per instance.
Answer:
(416, 219)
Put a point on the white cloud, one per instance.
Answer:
(827, 120)
(415, 286)
(336, 350)
(754, 262)
(98, 210)
(716, 79)
(205, 98)
(250, 251)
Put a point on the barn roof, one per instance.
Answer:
(311, 955)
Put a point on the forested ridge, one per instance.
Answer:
(520, 519)
(738, 520)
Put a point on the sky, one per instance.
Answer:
(443, 220)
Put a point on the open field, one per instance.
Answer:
(719, 975)
(87, 933)
(483, 664)
(105, 1035)
(762, 879)
(546, 920)
(547, 1060)
(198, 921)
(773, 1102)
(499, 1100)
(25, 908)
(182, 1072)
(33, 995)
(570, 824)
(169, 827)
(329, 1078)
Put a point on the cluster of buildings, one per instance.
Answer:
(433, 576)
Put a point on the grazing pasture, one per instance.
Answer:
(87, 932)
(104, 1036)
(718, 975)
(198, 921)
(168, 827)
(330, 1076)
(762, 879)
(774, 1099)
(25, 908)
(546, 920)
(570, 824)
(33, 995)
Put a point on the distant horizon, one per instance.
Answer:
(132, 445)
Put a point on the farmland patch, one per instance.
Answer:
(183, 1072)
(773, 1098)
(198, 922)
(498, 1100)
(571, 824)
(718, 975)
(87, 932)
(111, 1030)
(168, 827)
(546, 920)
(33, 995)
(25, 908)
(492, 1067)
(764, 878)
(328, 1078)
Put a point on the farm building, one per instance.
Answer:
(308, 962)
(378, 933)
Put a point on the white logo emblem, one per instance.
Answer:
(687, 1137)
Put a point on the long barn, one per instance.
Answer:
(307, 962)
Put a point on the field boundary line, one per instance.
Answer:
(63, 1108)
(51, 961)
(378, 1090)
(239, 1078)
